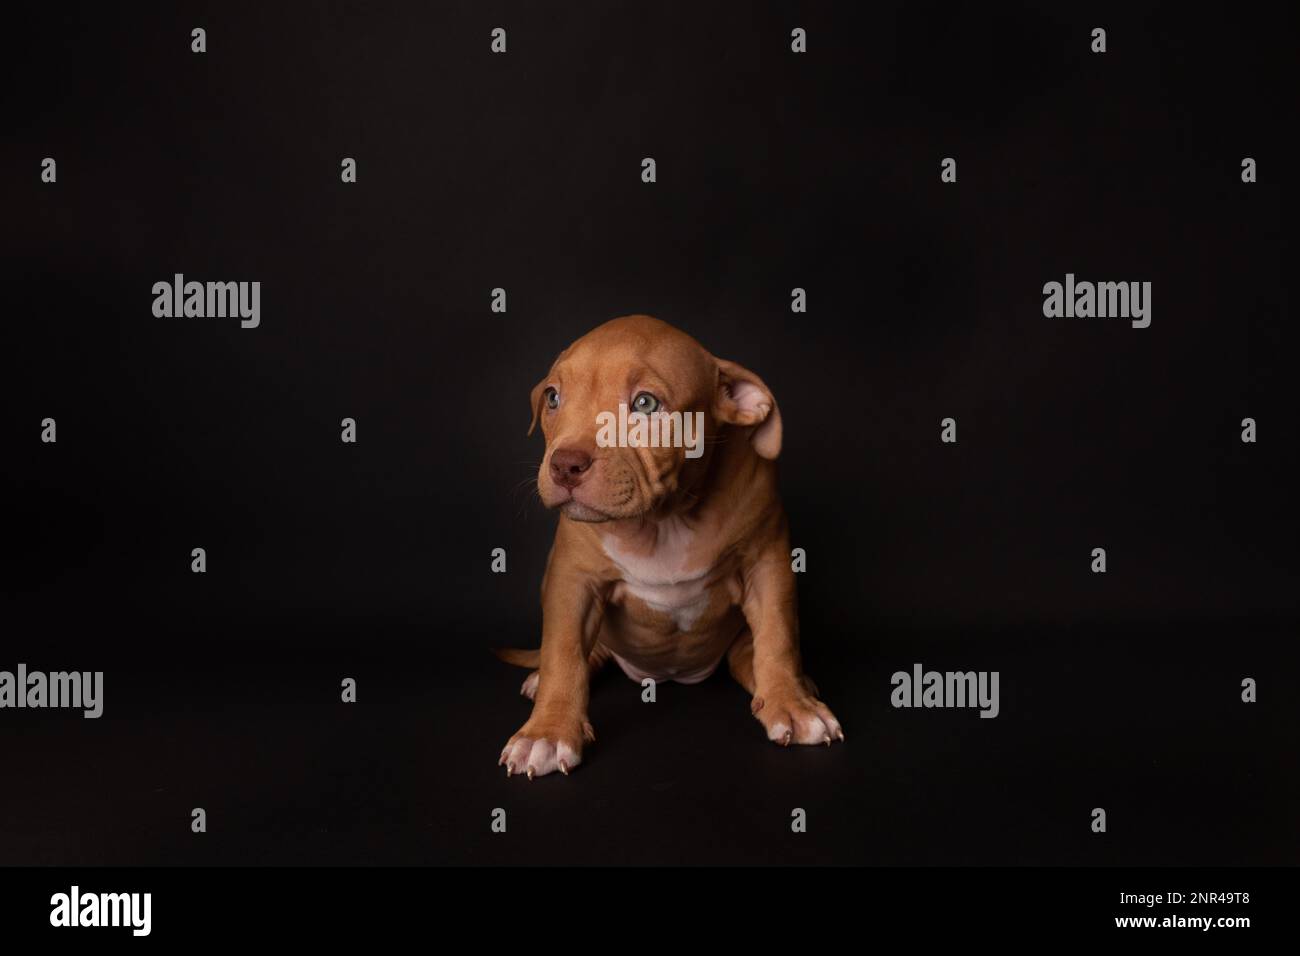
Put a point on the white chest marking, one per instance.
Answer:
(661, 577)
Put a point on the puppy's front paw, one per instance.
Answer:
(543, 746)
(529, 687)
(790, 714)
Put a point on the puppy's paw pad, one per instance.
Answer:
(812, 730)
(780, 732)
(798, 719)
(529, 687)
(534, 757)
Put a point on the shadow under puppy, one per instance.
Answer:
(666, 558)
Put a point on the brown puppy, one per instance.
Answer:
(663, 561)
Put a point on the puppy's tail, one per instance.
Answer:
(518, 656)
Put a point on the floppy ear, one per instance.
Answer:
(537, 403)
(742, 399)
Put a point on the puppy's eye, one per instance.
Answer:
(645, 403)
(552, 398)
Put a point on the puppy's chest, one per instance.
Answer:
(675, 578)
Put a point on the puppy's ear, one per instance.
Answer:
(537, 403)
(741, 398)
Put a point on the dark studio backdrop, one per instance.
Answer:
(522, 171)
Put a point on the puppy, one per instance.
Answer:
(666, 559)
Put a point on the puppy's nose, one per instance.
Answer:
(569, 466)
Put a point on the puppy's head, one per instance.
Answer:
(651, 369)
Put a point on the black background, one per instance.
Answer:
(522, 171)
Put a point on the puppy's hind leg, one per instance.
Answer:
(595, 661)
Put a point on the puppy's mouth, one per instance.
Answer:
(575, 510)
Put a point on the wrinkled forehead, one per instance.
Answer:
(620, 362)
